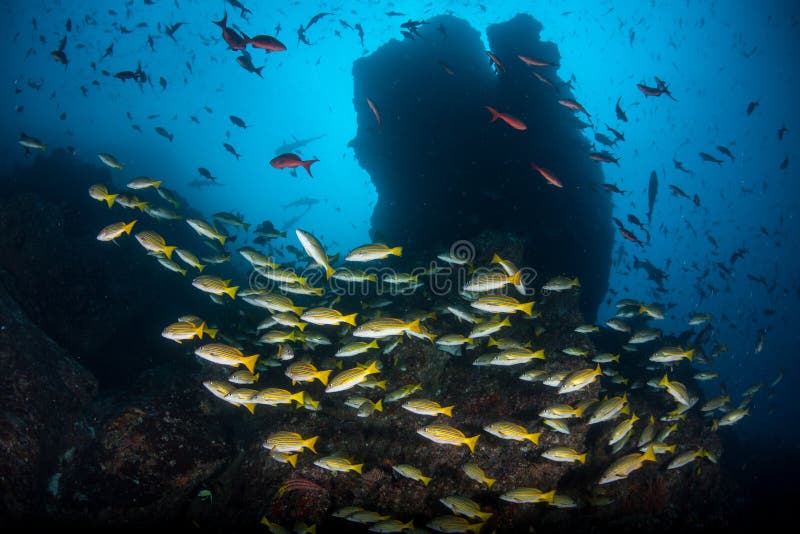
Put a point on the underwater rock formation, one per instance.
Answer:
(444, 173)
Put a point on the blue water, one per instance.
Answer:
(716, 57)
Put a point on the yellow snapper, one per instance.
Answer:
(387, 326)
(313, 248)
(338, 464)
(153, 242)
(626, 465)
(502, 304)
(100, 193)
(113, 231)
(215, 285)
(512, 431)
(488, 281)
(184, 331)
(465, 507)
(351, 377)
(327, 316)
(226, 355)
(564, 454)
(409, 471)
(206, 230)
(579, 379)
(285, 441)
(427, 407)
(528, 495)
(305, 371)
(476, 473)
(448, 435)
(374, 251)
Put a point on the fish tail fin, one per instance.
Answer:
(250, 362)
(425, 480)
(168, 252)
(649, 454)
(251, 407)
(372, 368)
(597, 370)
(307, 165)
(470, 341)
(496, 259)
(199, 330)
(298, 310)
(492, 342)
(379, 405)
(664, 381)
(495, 114)
(350, 319)
(301, 326)
(515, 278)
(182, 271)
(357, 468)
(549, 496)
(534, 437)
(258, 70)
(447, 410)
(397, 251)
(527, 308)
(470, 442)
(489, 482)
(381, 384)
(246, 227)
(414, 326)
(157, 183)
(582, 458)
(578, 411)
(110, 199)
(323, 376)
(128, 227)
(211, 332)
(689, 354)
(298, 397)
(292, 459)
(372, 344)
(222, 23)
(222, 239)
(505, 322)
(200, 267)
(231, 291)
(310, 443)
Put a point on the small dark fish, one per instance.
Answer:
(619, 136)
(238, 121)
(150, 43)
(493, 61)
(612, 188)
(696, 200)
(395, 14)
(345, 24)
(620, 113)
(136, 127)
(360, 31)
(189, 67)
(739, 254)
(678, 192)
(232, 150)
(69, 25)
(84, 90)
(170, 30)
(316, 18)
(604, 157)
(751, 107)
(627, 234)
(784, 163)
(652, 192)
(205, 173)
(782, 131)
(63, 116)
(712, 240)
(709, 158)
(604, 139)
(163, 83)
(125, 75)
(680, 167)
(725, 151)
(194, 119)
(208, 109)
(163, 133)
(59, 55)
(153, 116)
(239, 6)
(301, 36)
(109, 51)
(246, 63)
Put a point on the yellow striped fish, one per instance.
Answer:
(626, 465)
(220, 389)
(286, 276)
(285, 441)
(183, 331)
(453, 523)
(476, 473)
(373, 251)
(280, 336)
(385, 327)
(579, 379)
(409, 471)
(189, 259)
(100, 193)
(351, 377)
(143, 182)
(275, 396)
(528, 496)
(153, 242)
(465, 506)
(313, 248)
(356, 348)
(564, 454)
(275, 303)
(305, 371)
(113, 231)
(448, 435)
(427, 407)
(338, 464)
(502, 304)
(226, 355)
(513, 431)
(172, 266)
(243, 377)
(487, 281)
(206, 230)
(215, 285)
(327, 316)
(488, 328)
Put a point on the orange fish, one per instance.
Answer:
(496, 62)
(548, 175)
(374, 111)
(291, 161)
(571, 104)
(508, 119)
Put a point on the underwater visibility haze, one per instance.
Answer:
(322, 266)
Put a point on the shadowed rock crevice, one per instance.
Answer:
(444, 173)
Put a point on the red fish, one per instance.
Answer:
(493, 60)
(571, 104)
(508, 119)
(535, 62)
(234, 40)
(265, 42)
(548, 175)
(374, 111)
(544, 80)
(291, 161)
(630, 237)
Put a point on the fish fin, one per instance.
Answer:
(211, 332)
(307, 166)
(110, 200)
(470, 442)
(495, 114)
(350, 319)
(379, 405)
(534, 438)
(582, 458)
(292, 459)
(301, 326)
(250, 362)
(414, 326)
(310, 443)
(689, 354)
(357, 468)
(664, 381)
(649, 454)
(381, 384)
(168, 251)
(128, 227)
(157, 183)
(251, 407)
(549, 496)
(329, 271)
(323, 376)
(425, 480)
(489, 482)
(515, 278)
(527, 308)
(298, 397)
(231, 291)
(397, 251)
(447, 410)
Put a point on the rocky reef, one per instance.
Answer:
(444, 173)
